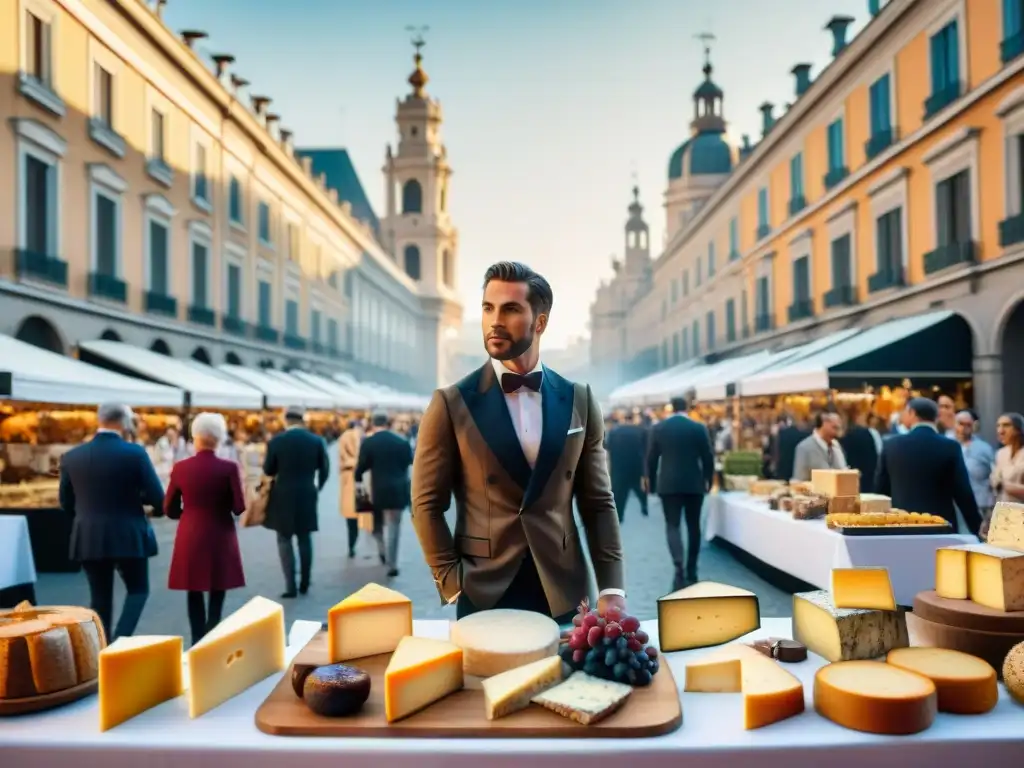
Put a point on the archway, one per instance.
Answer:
(40, 332)
(161, 347)
(110, 335)
(200, 354)
(1012, 351)
(232, 359)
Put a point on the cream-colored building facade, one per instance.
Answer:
(147, 197)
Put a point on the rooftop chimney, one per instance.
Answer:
(767, 121)
(237, 83)
(838, 25)
(874, 6)
(286, 140)
(802, 73)
(321, 180)
(307, 165)
(332, 193)
(271, 119)
(221, 61)
(260, 104)
(746, 148)
(191, 35)
(159, 8)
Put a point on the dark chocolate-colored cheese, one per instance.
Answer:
(299, 674)
(781, 649)
(336, 690)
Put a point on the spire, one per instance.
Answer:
(635, 209)
(708, 98)
(418, 79)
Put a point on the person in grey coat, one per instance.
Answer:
(821, 450)
(387, 456)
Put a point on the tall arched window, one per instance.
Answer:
(412, 197)
(412, 262)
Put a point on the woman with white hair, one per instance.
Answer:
(204, 493)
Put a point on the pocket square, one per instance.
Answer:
(574, 431)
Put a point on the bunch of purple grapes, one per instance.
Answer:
(610, 644)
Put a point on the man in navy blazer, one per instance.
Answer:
(924, 471)
(105, 485)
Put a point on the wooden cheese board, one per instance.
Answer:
(48, 700)
(892, 530)
(651, 711)
(966, 614)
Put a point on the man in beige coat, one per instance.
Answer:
(348, 450)
(516, 443)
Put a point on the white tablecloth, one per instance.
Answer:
(711, 736)
(16, 563)
(808, 550)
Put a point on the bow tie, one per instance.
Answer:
(513, 382)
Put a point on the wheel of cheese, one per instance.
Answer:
(496, 641)
(48, 649)
(1013, 672)
(965, 684)
(875, 697)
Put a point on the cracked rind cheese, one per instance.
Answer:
(1006, 528)
(421, 671)
(951, 573)
(137, 673)
(964, 684)
(868, 588)
(511, 691)
(873, 503)
(770, 693)
(498, 640)
(835, 482)
(585, 699)
(246, 647)
(368, 622)
(988, 575)
(845, 634)
(704, 614)
(875, 697)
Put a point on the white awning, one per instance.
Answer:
(204, 387)
(717, 388)
(316, 398)
(35, 375)
(812, 372)
(633, 392)
(691, 380)
(279, 393)
(344, 396)
(384, 397)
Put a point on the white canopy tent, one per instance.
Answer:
(31, 374)
(633, 392)
(691, 380)
(279, 392)
(344, 396)
(381, 396)
(813, 373)
(204, 388)
(292, 379)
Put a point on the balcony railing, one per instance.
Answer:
(948, 255)
(836, 175)
(841, 296)
(764, 323)
(201, 315)
(801, 309)
(104, 286)
(878, 143)
(234, 325)
(886, 278)
(267, 334)
(159, 303)
(1011, 230)
(942, 99)
(797, 204)
(40, 266)
(1012, 47)
(293, 341)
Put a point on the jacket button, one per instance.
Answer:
(568, 475)
(491, 479)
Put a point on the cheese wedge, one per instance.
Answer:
(511, 691)
(965, 684)
(704, 614)
(136, 674)
(842, 634)
(951, 573)
(770, 693)
(421, 671)
(367, 623)
(835, 482)
(873, 504)
(995, 577)
(246, 647)
(863, 588)
(585, 699)
(1006, 528)
(874, 697)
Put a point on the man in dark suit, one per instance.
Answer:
(861, 451)
(104, 485)
(626, 444)
(297, 460)
(387, 456)
(681, 468)
(786, 440)
(924, 471)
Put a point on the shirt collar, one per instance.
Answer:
(821, 441)
(926, 425)
(500, 370)
(103, 431)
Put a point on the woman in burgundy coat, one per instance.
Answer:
(205, 492)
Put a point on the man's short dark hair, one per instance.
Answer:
(680, 405)
(538, 294)
(924, 409)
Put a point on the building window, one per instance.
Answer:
(200, 274)
(954, 166)
(686, 282)
(1011, 113)
(448, 268)
(38, 204)
(412, 261)
(686, 344)
(235, 203)
(842, 273)
(263, 223)
(763, 225)
(1013, 30)
(802, 302)
(264, 298)
(944, 59)
(695, 337)
(314, 325)
(291, 317)
(675, 348)
(664, 353)
(158, 130)
(837, 170)
(200, 177)
(797, 201)
(880, 106)
(332, 334)
(730, 320)
(711, 330)
(159, 264)
(103, 96)
(412, 197)
(234, 291)
(734, 239)
(675, 292)
(39, 229)
(294, 242)
(889, 251)
(698, 272)
(38, 52)
(711, 260)
(107, 191)
(952, 209)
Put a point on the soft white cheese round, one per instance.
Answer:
(496, 641)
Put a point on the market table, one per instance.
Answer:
(50, 531)
(17, 566)
(711, 736)
(808, 550)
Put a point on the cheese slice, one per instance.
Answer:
(421, 671)
(498, 640)
(585, 699)
(863, 588)
(368, 622)
(951, 573)
(875, 698)
(873, 504)
(1006, 528)
(965, 684)
(136, 674)
(704, 614)
(770, 693)
(511, 691)
(246, 647)
(835, 482)
(995, 577)
(842, 634)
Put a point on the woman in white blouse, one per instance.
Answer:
(1008, 473)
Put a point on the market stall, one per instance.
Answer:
(639, 392)
(345, 397)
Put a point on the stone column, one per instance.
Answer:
(988, 393)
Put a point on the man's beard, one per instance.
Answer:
(516, 348)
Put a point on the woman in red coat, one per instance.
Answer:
(205, 492)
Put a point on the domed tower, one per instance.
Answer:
(702, 162)
(636, 268)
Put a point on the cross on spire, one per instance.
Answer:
(418, 79)
(706, 39)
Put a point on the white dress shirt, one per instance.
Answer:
(838, 457)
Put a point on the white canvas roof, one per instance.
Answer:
(633, 392)
(279, 393)
(344, 396)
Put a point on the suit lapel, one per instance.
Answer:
(486, 404)
(556, 415)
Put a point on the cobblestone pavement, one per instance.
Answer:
(649, 572)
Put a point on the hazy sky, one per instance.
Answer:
(550, 105)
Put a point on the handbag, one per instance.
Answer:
(255, 513)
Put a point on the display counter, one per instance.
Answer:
(711, 735)
(807, 550)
